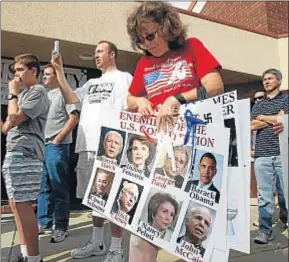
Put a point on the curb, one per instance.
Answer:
(6, 209)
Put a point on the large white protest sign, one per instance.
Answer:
(236, 114)
(229, 104)
(141, 175)
(220, 255)
(238, 224)
(283, 140)
(240, 241)
(235, 206)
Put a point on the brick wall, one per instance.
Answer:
(269, 17)
(277, 13)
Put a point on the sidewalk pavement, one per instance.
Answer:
(80, 232)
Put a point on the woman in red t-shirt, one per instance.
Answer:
(172, 67)
(166, 76)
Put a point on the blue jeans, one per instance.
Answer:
(269, 175)
(54, 196)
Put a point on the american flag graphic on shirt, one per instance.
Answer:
(169, 74)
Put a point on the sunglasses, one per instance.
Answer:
(259, 98)
(149, 37)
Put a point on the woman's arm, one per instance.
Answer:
(213, 84)
(141, 104)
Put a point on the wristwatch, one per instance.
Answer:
(181, 99)
(12, 96)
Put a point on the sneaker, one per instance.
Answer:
(20, 258)
(256, 223)
(114, 256)
(44, 230)
(58, 235)
(88, 250)
(263, 239)
(283, 225)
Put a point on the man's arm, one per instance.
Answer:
(12, 106)
(66, 90)
(68, 127)
(14, 88)
(259, 121)
(269, 119)
(15, 117)
(12, 121)
(257, 124)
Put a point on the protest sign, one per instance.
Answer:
(238, 211)
(230, 111)
(235, 206)
(220, 255)
(240, 241)
(234, 113)
(141, 176)
(283, 140)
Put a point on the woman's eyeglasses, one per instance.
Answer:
(149, 37)
(259, 98)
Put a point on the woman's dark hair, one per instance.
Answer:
(165, 15)
(144, 141)
(158, 199)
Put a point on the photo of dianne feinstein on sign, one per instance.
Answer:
(139, 157)
(196, 230)
(159, 215)
(126, 202)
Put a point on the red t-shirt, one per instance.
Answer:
(158, 78)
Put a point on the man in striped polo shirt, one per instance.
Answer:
(268, 167)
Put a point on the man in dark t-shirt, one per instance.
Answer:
(268, 166)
